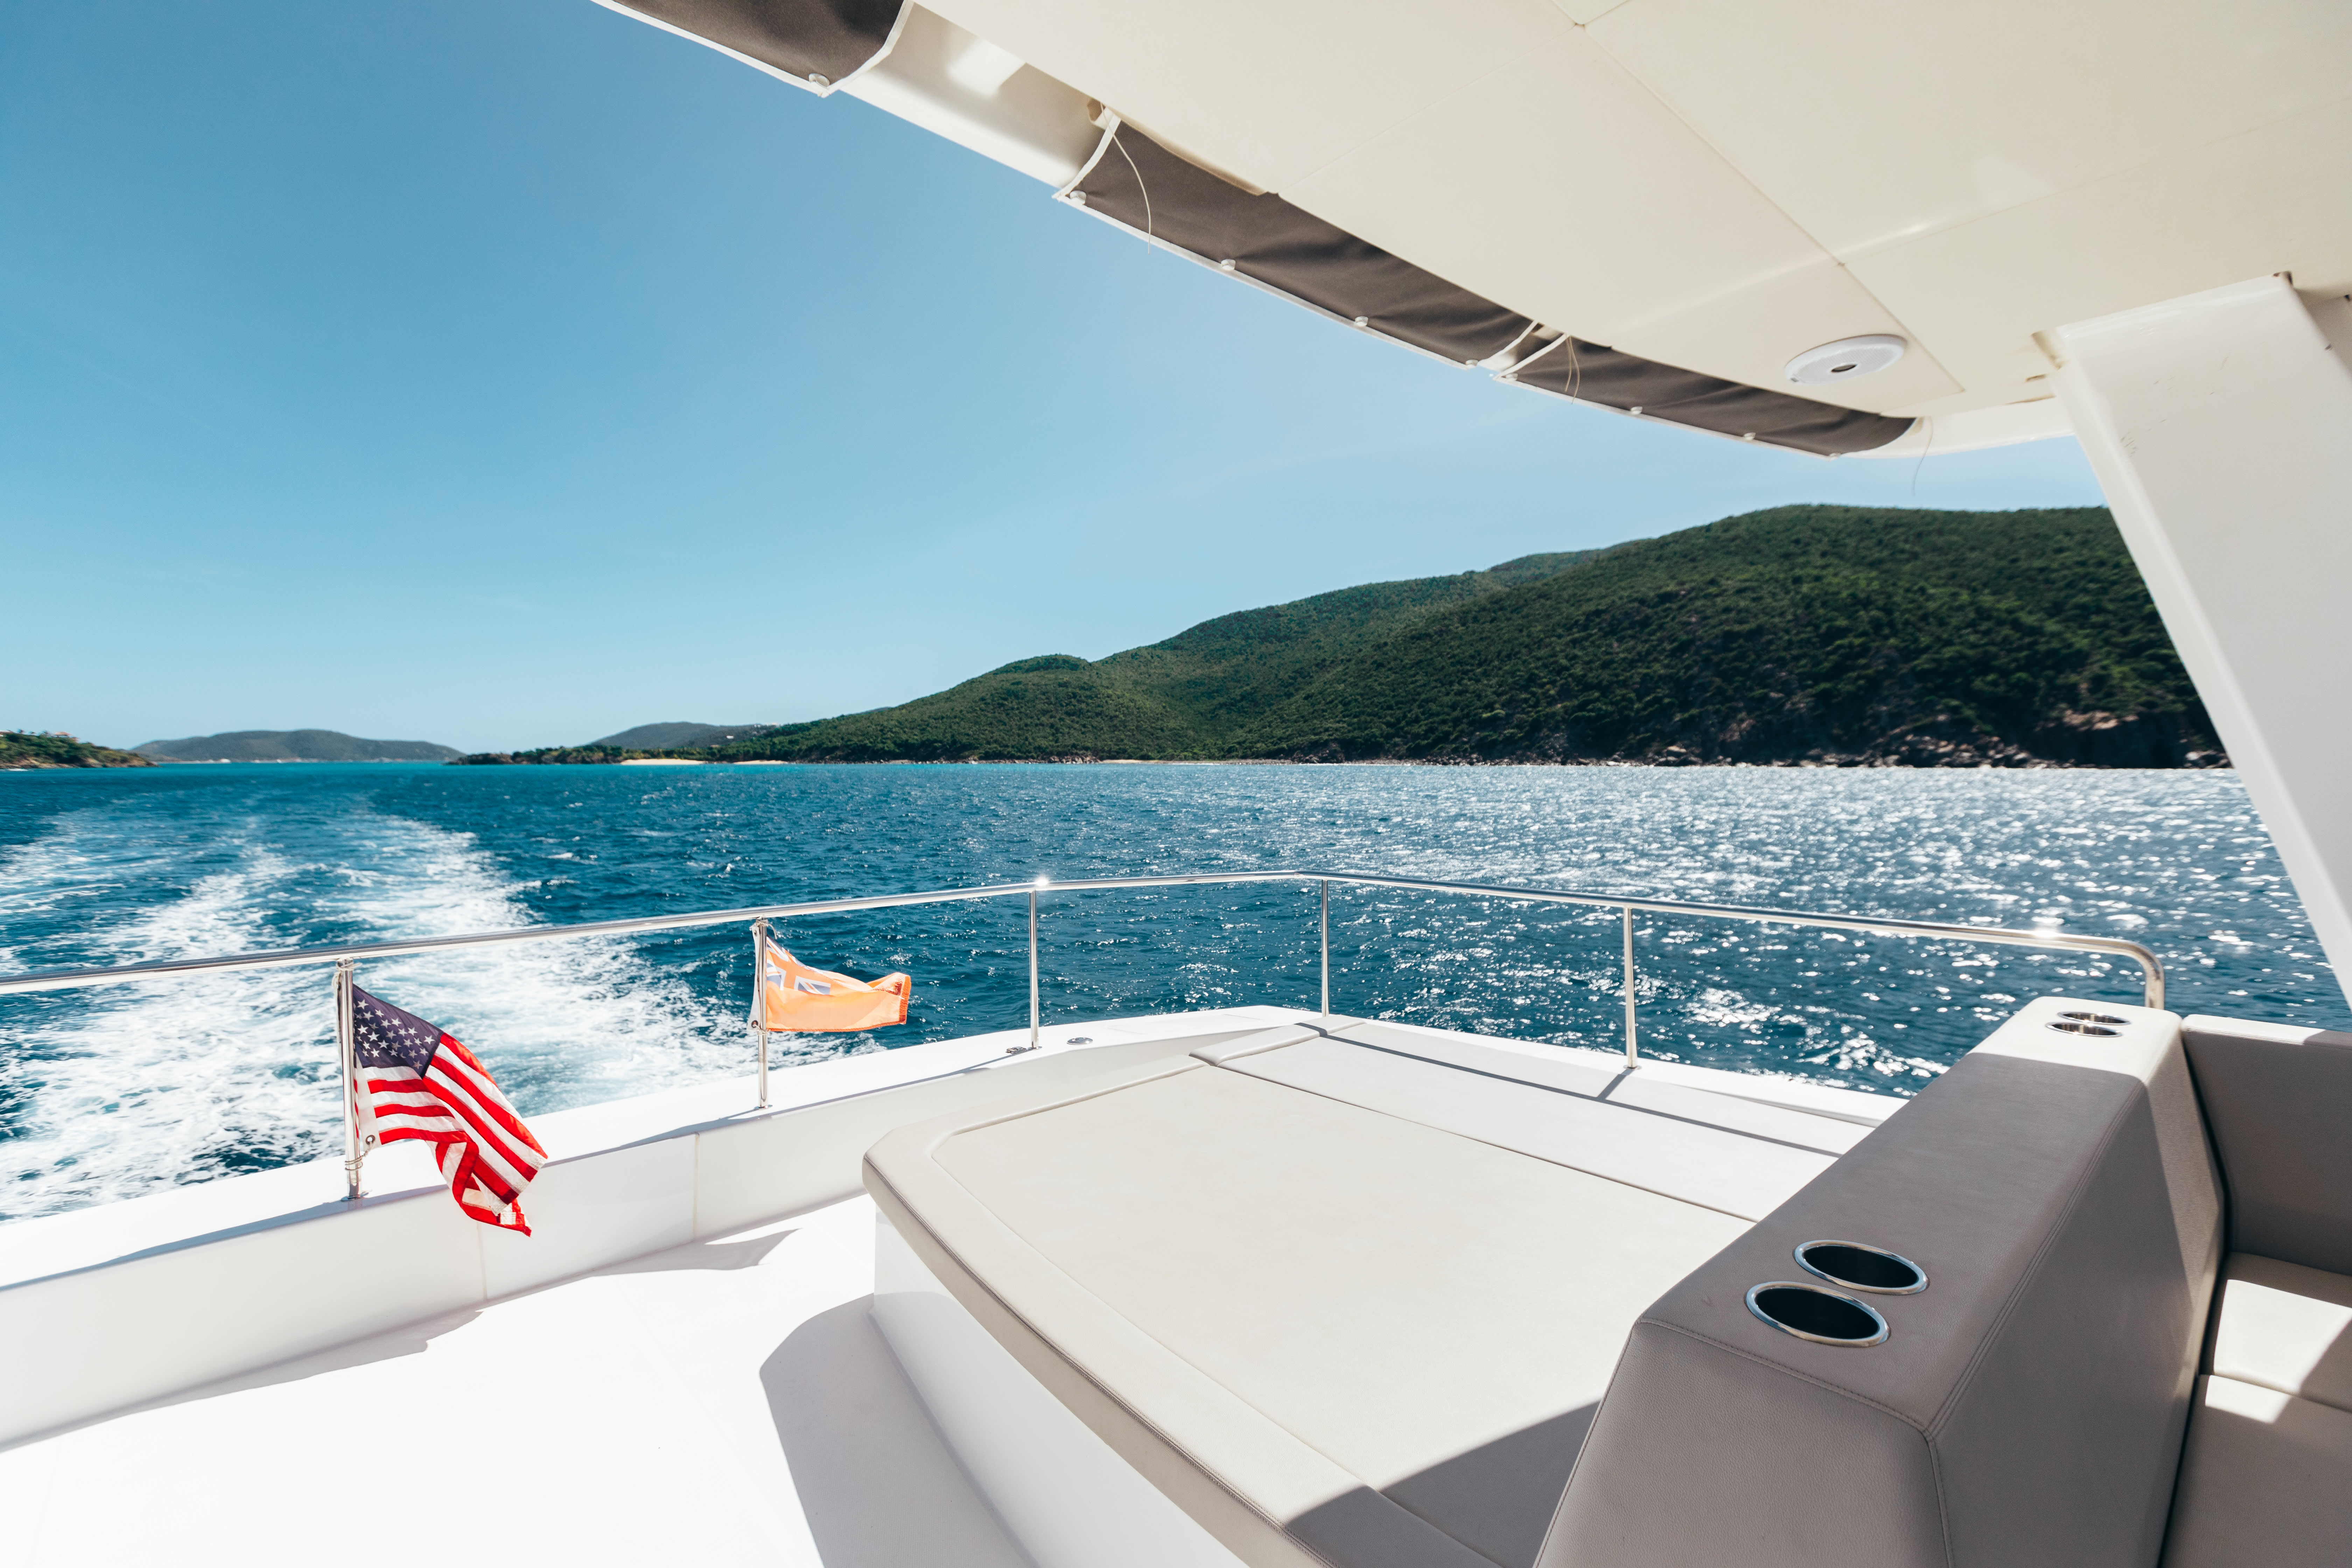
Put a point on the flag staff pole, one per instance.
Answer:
(759, 1000)
(347, 1058)
(1323, 922)
(1633, 1052)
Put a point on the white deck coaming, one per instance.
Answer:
(276, 1265)
(53, 1245)
(1963, 178)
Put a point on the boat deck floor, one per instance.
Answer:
(726, 1401)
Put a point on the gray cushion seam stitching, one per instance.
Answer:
(1571, 1094)
(1784, 1370)
(995, 1116)
(1490, 1143)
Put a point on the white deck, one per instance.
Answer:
(727, 1401)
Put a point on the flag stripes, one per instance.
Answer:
(417, 1082)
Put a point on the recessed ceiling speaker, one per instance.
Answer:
(1848, 359)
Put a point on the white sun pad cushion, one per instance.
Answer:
(1345, 1301)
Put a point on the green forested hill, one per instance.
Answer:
(1829, 634)
(39, 749)
(1181, 698)
(292, 746)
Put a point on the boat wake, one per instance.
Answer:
(111, 1092)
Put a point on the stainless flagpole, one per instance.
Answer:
(759, 1018)
(346, 1058)
(1323, 922)
(1633, 1052)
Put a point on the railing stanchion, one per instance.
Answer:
(348, 1060)
(1325, 920)
(1632, 1051)
(1032, 969)
(759, 1000)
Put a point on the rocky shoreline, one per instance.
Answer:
(24, 749)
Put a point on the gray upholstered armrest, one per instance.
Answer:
(2026, 1408)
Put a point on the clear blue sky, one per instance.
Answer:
(509, 373)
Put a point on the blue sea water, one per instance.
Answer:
(112, 1093)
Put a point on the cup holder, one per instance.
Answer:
(1809, 1312)
(2094, 1017)
(1860, 1267)
(2070, 1026)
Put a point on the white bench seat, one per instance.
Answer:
(2267, 1479)
(2267, 1476)
(2286, 1326)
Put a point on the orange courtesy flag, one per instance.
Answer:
(789, 994)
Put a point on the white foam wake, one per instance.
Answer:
(115, 1092)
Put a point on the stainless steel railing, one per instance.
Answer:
(346, 956)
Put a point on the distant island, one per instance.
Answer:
(40, 749)
(680, 733)
(679, 740)
(1799, 636)
(292, 746)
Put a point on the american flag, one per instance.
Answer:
(418, 1082)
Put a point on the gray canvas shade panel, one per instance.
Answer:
(1137, 183)
(805, 40)
(1590, 373)
(1141, 186)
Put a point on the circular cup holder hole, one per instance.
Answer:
(1860, 1267)
(2094, 1017)
(2068, 1027)
(1809, 1312)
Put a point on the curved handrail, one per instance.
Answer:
(2151, 967)
(345, 955)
